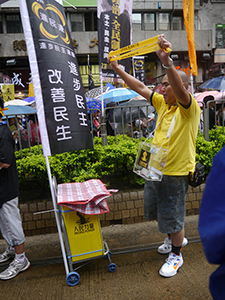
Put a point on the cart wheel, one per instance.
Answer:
(112, 267)
(109, 254)
(73, 278)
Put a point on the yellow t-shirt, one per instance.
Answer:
(181, 158)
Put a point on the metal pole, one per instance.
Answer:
(206, 122)
(57, 216)
(192, 86)
(37, 132)
(103, 131)
(103, 112)
(103, 119)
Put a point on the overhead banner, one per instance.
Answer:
(188, 12)
(114, 32)
(59, 94)
(139, 68)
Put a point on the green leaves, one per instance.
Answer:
(206, 150)
(113, 163)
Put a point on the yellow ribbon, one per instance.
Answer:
(1, 110)
(143, 47)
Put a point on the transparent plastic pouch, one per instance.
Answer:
(150, 161)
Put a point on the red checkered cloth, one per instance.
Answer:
(87, 197)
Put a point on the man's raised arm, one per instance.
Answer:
(179, 87)
(131, 81)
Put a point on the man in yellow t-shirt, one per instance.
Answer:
(164, 200)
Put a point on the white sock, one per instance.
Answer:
(20, 257)
(11, 248)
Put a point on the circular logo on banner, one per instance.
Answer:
(138, 65)
(49, 27)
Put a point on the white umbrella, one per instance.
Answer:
(16, 102)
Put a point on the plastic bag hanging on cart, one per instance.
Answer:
(151, 159)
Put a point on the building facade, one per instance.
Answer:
(149, 19)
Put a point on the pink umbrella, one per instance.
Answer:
(220, 95)
(157, 89)
(200, 97)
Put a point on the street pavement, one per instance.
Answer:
(134, 251)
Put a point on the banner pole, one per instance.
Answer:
(192, 86)
(133, 66)
(103, 120)
(102, 101)
(53, 193)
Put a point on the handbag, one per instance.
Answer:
(198, 177)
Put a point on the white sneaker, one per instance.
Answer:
(8, 254)
(14, 268)
(172, 265)
(166, 247)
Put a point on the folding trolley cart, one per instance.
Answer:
(82, 233)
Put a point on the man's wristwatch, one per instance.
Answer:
(169, 67)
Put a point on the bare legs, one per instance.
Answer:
(19, 249)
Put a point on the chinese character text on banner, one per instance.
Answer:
(114, 32)
(59, 94)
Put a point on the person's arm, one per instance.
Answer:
(180, 92)
(131, 81)
(144, 123)
(3, 165)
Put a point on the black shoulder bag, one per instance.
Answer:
(198, 177)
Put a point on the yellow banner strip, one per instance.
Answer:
(140, 48)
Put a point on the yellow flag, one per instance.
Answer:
(188, 11)
(31, 90)
(140, 48)
(8, 92)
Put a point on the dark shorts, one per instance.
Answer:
(165, 201)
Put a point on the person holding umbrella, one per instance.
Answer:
(165, 200)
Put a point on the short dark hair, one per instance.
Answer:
(1, 103)
(208, 98)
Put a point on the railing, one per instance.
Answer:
(23, 137)
(121, 119)
(207, 122)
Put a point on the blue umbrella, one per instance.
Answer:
(118, 95)
(217, 83)
(94, 104)
(15, 110)
(29, 99)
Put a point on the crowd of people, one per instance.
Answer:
(25, 131)
(138, 128)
